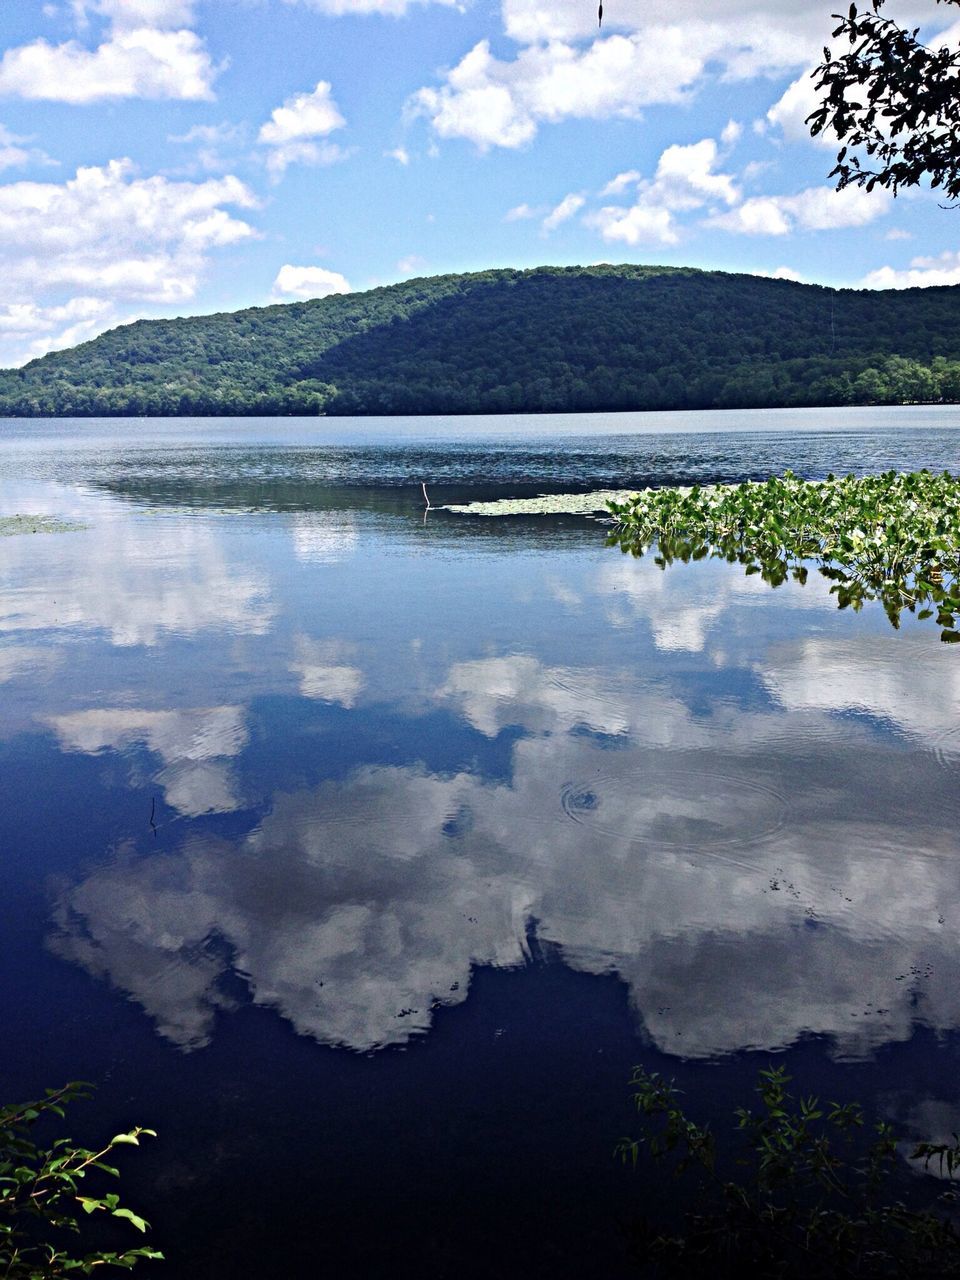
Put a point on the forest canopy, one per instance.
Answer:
(547, 339)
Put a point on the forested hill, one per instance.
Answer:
(553, 338)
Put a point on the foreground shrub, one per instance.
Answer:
(812, 1195)
(41, 1196)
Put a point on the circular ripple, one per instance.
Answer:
(946, 748)
(679, 808)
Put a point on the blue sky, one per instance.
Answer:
(176, 157)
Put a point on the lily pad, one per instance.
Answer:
(10, 525)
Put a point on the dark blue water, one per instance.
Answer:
(363, 856)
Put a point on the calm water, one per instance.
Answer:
(363, 856)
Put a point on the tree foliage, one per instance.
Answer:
(44, 1195)
(544, 340)
(893, 103)
(809, 1194)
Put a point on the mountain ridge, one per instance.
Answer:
(537, 340)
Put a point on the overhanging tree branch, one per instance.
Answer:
(893, 103)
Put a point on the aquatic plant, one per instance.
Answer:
(40, 1194)
(893, 537)
(811, 1196)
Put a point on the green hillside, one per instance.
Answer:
(553, 338)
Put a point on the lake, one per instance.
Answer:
(362, 851)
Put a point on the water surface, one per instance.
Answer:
(362, 854)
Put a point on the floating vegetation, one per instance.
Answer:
(893, 537)
(546, 504)
(10, 525)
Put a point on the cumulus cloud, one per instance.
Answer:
(815, 209)
(494, 103)
(110, 235)
(563, 212)
(686, 179)
(143, 62)
(921, 274)
(662, 53)
(788, 115)
(38, 329)
(16, 151)
(308, 282)
(293, 130)
(521, 212)
(216, 146)
(346, 8)
(137, 13)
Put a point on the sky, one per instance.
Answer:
(179, 157)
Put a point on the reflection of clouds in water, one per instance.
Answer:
(674, 604)
(324, 675)
(26, 660)
(323, 537)
(356, 905)
(121, 577)
(912, 683)
(493, 693)
(192, 743)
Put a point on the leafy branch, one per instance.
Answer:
(40, 1193)
(812, 1197)
(894, 98)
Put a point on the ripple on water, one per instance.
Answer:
(946, 748)
(677, 807)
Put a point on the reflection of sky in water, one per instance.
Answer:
(334, 759)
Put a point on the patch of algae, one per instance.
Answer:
(547, 504)
(9, 525)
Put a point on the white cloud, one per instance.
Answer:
(411, 263)
(898, 233)
(45, 329)
(640, 224)
(292, 131)
(14, 151)
(816, 209)
(137, 13)
(616, 186)
(106, 233)
(520, 212)
(400, 154)
(344, 8)
(139, 63)
(921, 274)
(308, 282)
(216, 144)
(685, 179)
(745, 37)
(789, 114)
(496, 103)
(661, 52)
(565, 210)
